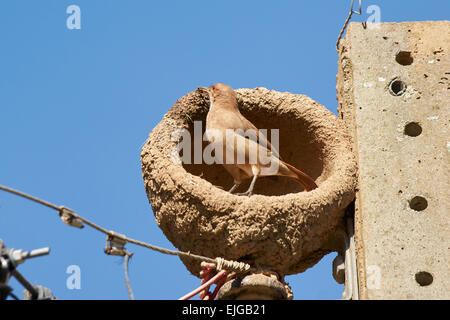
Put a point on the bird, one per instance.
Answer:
(225, 120)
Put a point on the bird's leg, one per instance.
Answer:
(236, 184)
(249, 192)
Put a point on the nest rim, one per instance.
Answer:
(321, 207)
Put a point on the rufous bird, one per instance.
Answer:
(224, 117)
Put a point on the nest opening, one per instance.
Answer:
(297, 146)
(279, 227)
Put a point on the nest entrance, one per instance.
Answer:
(297, 146)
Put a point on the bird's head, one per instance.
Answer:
(220, 92)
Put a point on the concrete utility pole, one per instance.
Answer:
(393, 89)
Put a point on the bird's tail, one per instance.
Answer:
(306, 181)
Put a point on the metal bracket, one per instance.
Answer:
(344, 265)
(351, 291)
(43, 293)
(9, 260)
(339, 269)
(115, 244)
(68, 218)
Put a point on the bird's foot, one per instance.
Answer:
(246, 193)
(236, 184)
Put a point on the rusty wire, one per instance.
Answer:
(359, 12)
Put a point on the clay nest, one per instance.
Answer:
(281, 226)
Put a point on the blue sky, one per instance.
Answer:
(77, 105)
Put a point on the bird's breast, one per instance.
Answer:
(223, 119)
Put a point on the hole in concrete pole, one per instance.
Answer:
(413, 129)
(424, 278)
(397, 87)
(404, 58)
(418, 203)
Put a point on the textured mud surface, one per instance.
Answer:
(281, 226)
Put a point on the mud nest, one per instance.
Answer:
(281, 226)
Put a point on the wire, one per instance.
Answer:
(32, 290)
(12, 295)
(218, 286)
(22, 194)
(125, 271)
(113, 248)
(213, 280)
(347, 21)
(109, 232)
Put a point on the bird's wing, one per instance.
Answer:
(251, 131)
(248, 151)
